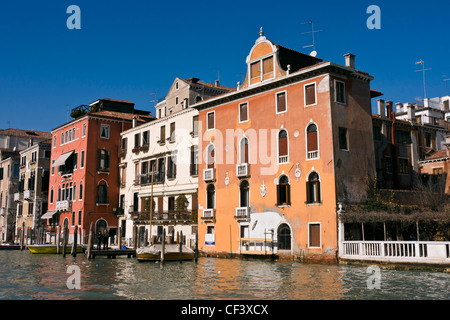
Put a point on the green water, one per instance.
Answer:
(24, 276)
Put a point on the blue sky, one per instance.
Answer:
(131, 49)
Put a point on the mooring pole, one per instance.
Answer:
(74, 245)
(58, 239)
(196, 246)
(89, 248)
(163, 245)
(181, 246)
(65, 229)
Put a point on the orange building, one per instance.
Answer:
(84, 167)
(280, 152)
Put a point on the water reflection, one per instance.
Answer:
(27, 276)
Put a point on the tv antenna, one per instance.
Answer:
(313, 45)
(67, 115)
(218, 75)
(423, 71)
(446, 78)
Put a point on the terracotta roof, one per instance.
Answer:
(438, 155)
(25, 133)
(211, 85)
(122, 115)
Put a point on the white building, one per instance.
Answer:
(168, 146)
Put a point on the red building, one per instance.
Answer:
(84, 167)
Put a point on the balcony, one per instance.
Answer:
(18, 196)
(209, 174)
(146, 178)
(164, 217)
(28, 194)
(64, 205)
(242, 214)
(209, 215)
(313, 155)
(283, 159)
(242, 170)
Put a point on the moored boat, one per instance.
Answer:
(10, 247)
(171, 253)
(51, 249)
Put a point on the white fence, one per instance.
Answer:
(431, 252)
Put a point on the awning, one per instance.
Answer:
(62, 159)
(48, 215)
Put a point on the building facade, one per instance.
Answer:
(84, 177)
(9, 181)
(278, 153)
(32, 196)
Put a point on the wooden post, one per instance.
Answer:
(58, 235)
(151, 208)
(22, 243)
(74, 245)
(181, 246)
(231, 245)
(196, 246)
(65, 234)
(163, 245)
(134, 237)
(89, 248)
(119, 237)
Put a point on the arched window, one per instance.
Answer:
(210, 197)
(312, 142)
(283, 191)
(313, 188)
(102, 192)
(210, 156)
(283, 151)
(243, 151)
(198, 99)
(284, 237)
(244, 194)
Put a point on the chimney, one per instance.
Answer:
(134, 122)
(350, 60)
(411, 113)
(389, 109)
(217, 83)
(381, 108)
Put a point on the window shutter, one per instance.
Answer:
(160, 203)
(210, 120)
(283, 145)
(255, 70)
(281, 102)
(279, 194)
(312, 141)
(268, 65)
(314, 235)
(288, 194)
(308, 192)
(195, 201)
(310, 92)
(243, 112)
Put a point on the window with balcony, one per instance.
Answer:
(103, 160)
(283, 191)
(283, 147)
(137, 142)
(145, 138)
(313, 188)
(312, 142)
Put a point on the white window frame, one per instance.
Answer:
(239, 111)
(207, 120)
(276, 102)
(108, 130)
(84, 128)
(278, 146)
(306, 140)
(315, 93)
(320, 235)
(82, 156)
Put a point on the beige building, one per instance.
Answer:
(9, 178)
(31, 197)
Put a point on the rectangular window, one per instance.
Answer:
(172, 167)
(243, 112)
(51, 196)
(81, 192)
(162, 135)
(137, 142)
(314, 235)
(83, 133)
(171, 203)
(268, 65)
(195, 126)
(82, 159)
(53, 168)
(402, 137)
(428, 139)
(104, 131)
(194, 161)
(103, 159)
(340, 91)
(403, 166)
(79, 218)
(145, 138)
(73, 218)
(377, 133)
(62, 138)
(172, 132)
(343, 139)
(123, 145)
(281, 102)
(75, 161)
(54, 141)
(388, 164)
(310, 94)
(210, 120)
(446, 105)
(255, 70)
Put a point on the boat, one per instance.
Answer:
(171, 253)
(11, 246)
(52, 249)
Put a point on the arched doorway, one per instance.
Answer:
(284, 237)
(100, 226)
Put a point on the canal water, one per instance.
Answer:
(45, 277)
